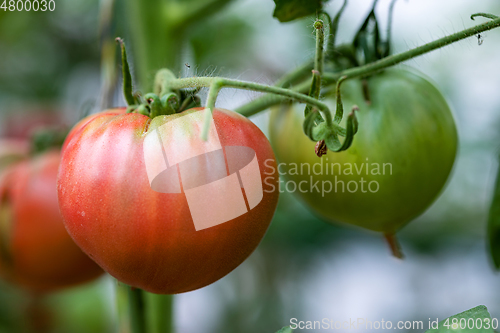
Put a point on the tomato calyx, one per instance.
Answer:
(163, 101)
(329, 133)
(317, 129)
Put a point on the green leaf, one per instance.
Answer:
(455, 323)
(494, 224)
(285, 329)
(289, 10)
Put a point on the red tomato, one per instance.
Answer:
(22, 124)
(142, 237)
(12, 150)
(35, 249)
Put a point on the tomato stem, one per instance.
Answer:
(136, 310)
(160, 313)
(486, 15)
(264, 102)
(394, 245)
(215, 88)
(318, 64)
(390, 61)
(162, 77)
(300, 73)
(320, 42)
(217, 83)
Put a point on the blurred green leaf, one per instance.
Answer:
(286, 329)
(41, 51)
(451, 325)
(228, 49)
(289, 10)
(494, 224)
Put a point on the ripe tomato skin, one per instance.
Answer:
(145, 238)
(37, 252)
(408, 124)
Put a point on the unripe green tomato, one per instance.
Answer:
(399, 161)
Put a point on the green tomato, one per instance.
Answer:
(399, 161)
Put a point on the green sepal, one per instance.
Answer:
(339, 111)
(351, 130)
(142, 109)
(132, 108)
(310, 122)
(127, 77)
(155, 104)
(170, 103)
(332, 142)
(330, 134)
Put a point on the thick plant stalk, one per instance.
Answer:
(137, 313)
(158, 33)
(154, 44)
(159, 313)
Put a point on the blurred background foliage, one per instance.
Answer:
(50, 64)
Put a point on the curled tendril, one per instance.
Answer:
(485, 15)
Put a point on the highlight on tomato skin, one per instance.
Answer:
(36, 251)
(142, 237)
